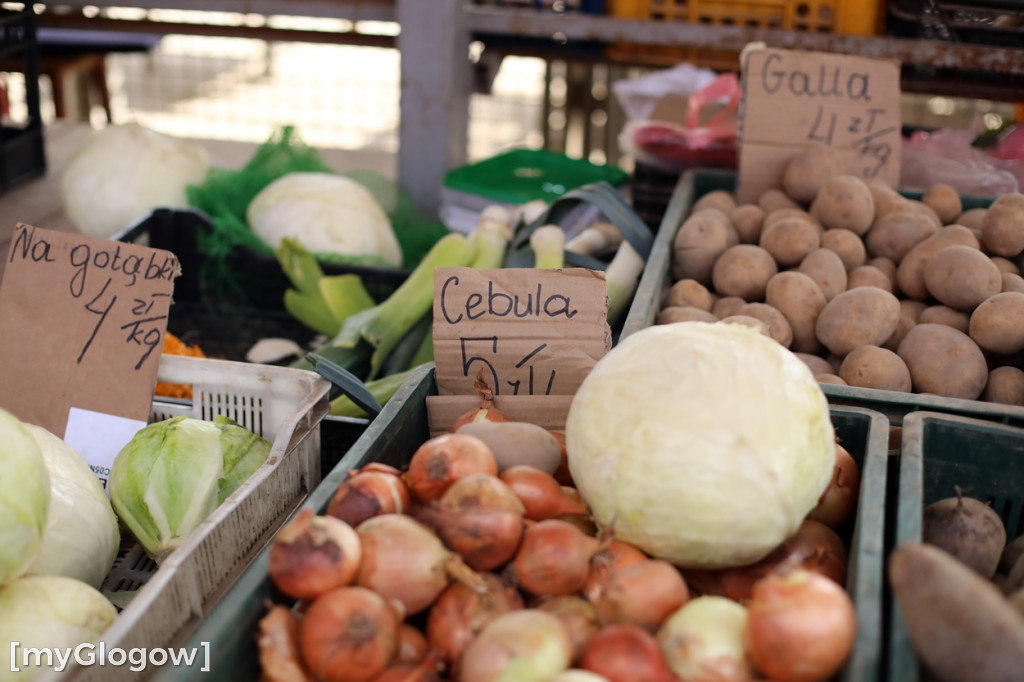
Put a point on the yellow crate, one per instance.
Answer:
(848, 17)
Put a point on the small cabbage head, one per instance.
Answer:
(82, 537)
(704, 444)
(172, 474)
(24, 497)
(325, 213)
(48, 611)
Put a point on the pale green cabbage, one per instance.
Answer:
(703, 444)
(24, 497)
(49, 611)
(81, 538)
(173, 473)
(325, 213)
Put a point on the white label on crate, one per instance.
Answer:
(98, 437)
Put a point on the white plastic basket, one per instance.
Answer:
(284, 406)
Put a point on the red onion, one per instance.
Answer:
(312, 554)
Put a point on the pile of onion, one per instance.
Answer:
(452, 570)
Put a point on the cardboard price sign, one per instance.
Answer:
(85, 321)
(793, 100)
(533, 332)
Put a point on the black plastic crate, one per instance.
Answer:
(22, 156)
(989, 22)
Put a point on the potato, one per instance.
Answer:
(789, 240)
(858, 317)
(1002, 228)
(887, 267)
(800, 300)
(748, 321)
(893, 236)
(874, 367)
(945, 201)
(807, 170)
(943, 314)
(928, 212)
(892, 203)
(1005, 265)
(972, 218)
(815, 363)
(743, 270)
(747, 220)
(1013, 283)
(1013, 551)
(688, 292)
(683, 314)
(868, 276)
(944, 361)
(844, 202)
(910, 271)
(913, 309)
(826, 378)
(1005, 385)
(997, 325)
(727, 306)
(778, 325)
(910, 312)
(962, 277)
(966, 528)
(958, 622)
(774, 199)
(847, 246)
(826, 268)
(783, 213)
(701, 239)
(514, 443)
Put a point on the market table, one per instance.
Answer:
(37, 202)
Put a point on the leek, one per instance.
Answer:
(382, 389)
(621, 279)
(321, 303)
(548, 244)
(490, 238)
(595, 239)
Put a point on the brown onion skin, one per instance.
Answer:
(643, 594)
(444, 459)
(553, 558)
(278, 647)
(577, 614)
(427, 670)
(839, 501)
(486, 411)
(562, 473)
(611, 556)
(369, 493)
(312, 554)
(412, 645)
(460, 613)
(348, 634)
(815, 547)
(480, 518)
(542, 496)
(626, 653)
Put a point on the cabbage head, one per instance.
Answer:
(24, 497)
(172, 474)
(48, 611)
(82, 537)
(704, 444)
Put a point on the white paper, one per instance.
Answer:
(98, 437)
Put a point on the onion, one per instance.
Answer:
(278, 642)
(839, 500)
(553, 558)
(613, 555)
(405, 562)
(368, 493)
(815, 547)
(541, 495)
(424, 671)
(801, 626)
(460, 614)
(480, 518)
(562, 473)
(444, 459)
(584, 524)
(532, 643)
(577, 615)
(412, 644)
(704, 641)
(626, 653)
(348, 635)
(643, 594)
(486, 411)
(312, 554)
(578, 676)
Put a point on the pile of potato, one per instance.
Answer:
(869, 288)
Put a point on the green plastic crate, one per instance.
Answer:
(402, 426)
(694, 184)
(940, 451)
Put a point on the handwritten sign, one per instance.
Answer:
(84, 322)
(792, 100)
(535, 332)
